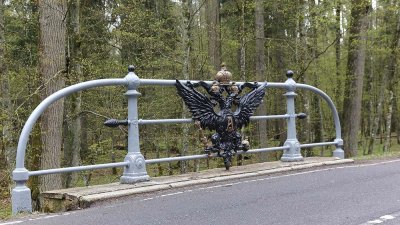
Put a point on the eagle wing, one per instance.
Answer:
(248, 104)
(247, 85)
(199, 105)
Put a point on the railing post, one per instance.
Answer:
(136, 171)
(293, 153)
(339, 153)
(21, 194)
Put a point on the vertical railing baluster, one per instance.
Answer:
(293, 153)
(136, 171)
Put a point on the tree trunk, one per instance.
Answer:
(213, 31)
(397, 117)
(369, 101)
(260, 71)
(242, 57)
(114, 169)
(7, 143)
(338, 91)
(8, 150)
(85, 154)
(242, 60)
(386, 145)
(52, 68)
(355, 76)
(186, 46)
(77, 98)
(301, 56)
(374, 115)
(394, 46)
(316, 110)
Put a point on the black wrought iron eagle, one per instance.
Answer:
(226, 122)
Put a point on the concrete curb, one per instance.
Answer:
(64, 201)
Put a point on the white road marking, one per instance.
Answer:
(44, 217)
(175, 193)
(146, 199)
(50, 216)
(387, 217)
(382, 219)
(13, 222)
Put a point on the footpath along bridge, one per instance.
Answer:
(134, 163)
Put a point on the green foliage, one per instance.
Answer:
(5, 210)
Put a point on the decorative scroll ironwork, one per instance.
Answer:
(225, 95)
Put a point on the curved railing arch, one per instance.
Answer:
(134, 162)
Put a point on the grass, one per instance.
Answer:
(378, 152)
(5, 209)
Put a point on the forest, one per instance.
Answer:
(347, 48)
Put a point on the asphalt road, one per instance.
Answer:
(352, 194)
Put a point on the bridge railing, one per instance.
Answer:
(134, 163)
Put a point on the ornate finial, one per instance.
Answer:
(289, 74)
(223, 76)
(132, 79)
(131, 68)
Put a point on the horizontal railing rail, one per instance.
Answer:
(166, 121)
(134, 163)
(78, 168)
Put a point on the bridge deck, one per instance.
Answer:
(83, 197)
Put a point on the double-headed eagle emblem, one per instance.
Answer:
(224, 95)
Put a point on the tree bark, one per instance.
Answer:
(355, 76)
(316, 110)
(338, 91)
(386, 145)
(7, 152)
(242, 57)
(394, 46)
(77, 98)
(213, 31)
(260, 71)
(186, 47)
(304, 54)
(397, 122)
(378, 115)
(52, 67)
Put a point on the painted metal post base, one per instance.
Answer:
(136, 171)
(21, 199)
(21, 194)
(293, 153)
(339, 153)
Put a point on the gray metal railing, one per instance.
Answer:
(134, 163)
